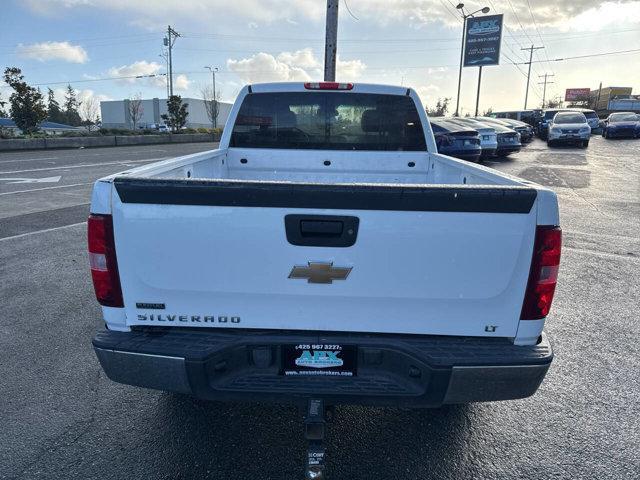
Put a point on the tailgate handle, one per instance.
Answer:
(321, 230)
(326, 228)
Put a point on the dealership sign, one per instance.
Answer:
(483, 36)
(575, 94)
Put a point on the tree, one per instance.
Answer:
(441, 108)
(555, 102)
(53, 107)
(488, 112)
(3, 112)
(27, 105)
(71, 105)
(177, 116)
(135, 109)
(211, 104)
(89, 112)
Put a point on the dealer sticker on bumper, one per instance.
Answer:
(319, 360)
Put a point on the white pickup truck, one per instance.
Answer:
(325, 250)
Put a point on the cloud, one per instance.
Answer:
(46, 51)
(299, 66)
(427, 93)
(412, 13)
(181, 82)
(135, 69)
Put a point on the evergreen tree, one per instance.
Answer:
(55, 114)
(177, 116)
(71, 105)
(27, 105)
(3, 112)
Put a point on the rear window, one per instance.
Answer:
(590, 114)
(569, 118)
(328, 121)
(623, 117)
(549, 114)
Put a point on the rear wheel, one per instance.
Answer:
(585, 143)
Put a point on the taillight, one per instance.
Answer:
(328, 86)
(544, 273)
(103, 262)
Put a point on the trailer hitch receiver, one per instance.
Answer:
(314, 432)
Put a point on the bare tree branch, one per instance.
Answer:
(135, 109)
(89, 112)
(211, 105)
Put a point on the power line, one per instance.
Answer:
(535, 24)
(602, 54)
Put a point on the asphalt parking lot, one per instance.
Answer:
(60, 417)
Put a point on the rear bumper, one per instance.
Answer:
(566, 138)
(395, 370)
(622, 133)
(468, 155)
(504, 150)
(488, 152)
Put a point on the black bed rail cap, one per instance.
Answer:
(341, 196)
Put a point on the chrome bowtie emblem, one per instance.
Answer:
(320, 272)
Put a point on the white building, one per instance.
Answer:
(116, 113)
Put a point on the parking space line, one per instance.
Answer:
(9, 172)
(46, 188)
(42, 231)
(17, 160)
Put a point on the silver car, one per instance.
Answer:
(569, 127)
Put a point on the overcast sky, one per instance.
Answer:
(410, 42)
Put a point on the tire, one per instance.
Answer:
(585, 143)
(549, 143)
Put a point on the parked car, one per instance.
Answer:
(488, 136)
(456, 140)
(527, 116)
(569, 127)
(524, 129)
(508, 139)
(592, 119)
(622, 124)
(547, 117)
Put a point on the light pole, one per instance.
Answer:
(213, 71)
(465, 15)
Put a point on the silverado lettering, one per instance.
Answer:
(187, 318)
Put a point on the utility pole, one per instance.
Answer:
(478, 94)
(213, 71)
(544, 89)
(165, 56)
(531, 49)
(169, 40)
(331, 41)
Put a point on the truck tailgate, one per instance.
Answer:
(425, 259)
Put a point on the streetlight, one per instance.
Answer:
(460, 7)
(213, 71)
